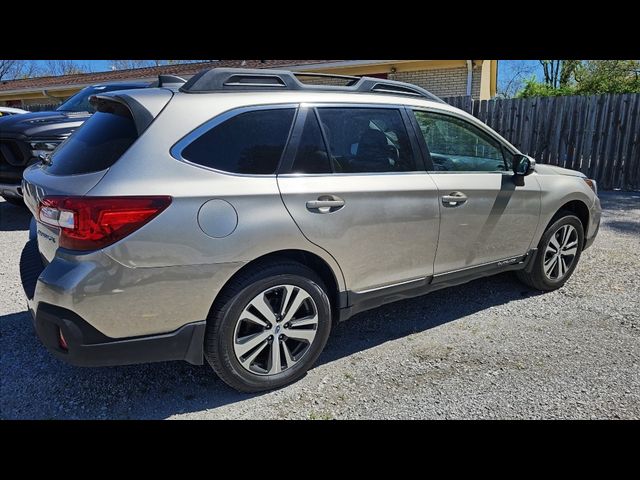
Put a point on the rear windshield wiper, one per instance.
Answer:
(45, 159)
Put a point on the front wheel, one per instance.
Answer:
(558, 253)
(268, 327)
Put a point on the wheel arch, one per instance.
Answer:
(309, 259)
(579, 209)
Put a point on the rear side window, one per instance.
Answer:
(249, 143)
(363, 140)
(96, 145)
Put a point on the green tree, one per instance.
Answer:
(534, 88)
(608, 76)
(584, 77)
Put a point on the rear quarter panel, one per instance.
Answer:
(174, 237)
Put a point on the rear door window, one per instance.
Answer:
(248, 143)
(97, 145)
(364, 140)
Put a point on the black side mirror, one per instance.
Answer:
(523, 165)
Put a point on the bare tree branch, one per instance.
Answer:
(64, 67)
(130, 64)
(513, 77)
(12, 69)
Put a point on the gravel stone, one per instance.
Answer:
(487, 349)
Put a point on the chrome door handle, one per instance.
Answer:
(454, 199)
(325, 204)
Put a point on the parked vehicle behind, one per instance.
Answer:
(237, 219)
(26, 139)
(6, 111)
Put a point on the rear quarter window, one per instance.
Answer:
(96, 145)
(248, 143)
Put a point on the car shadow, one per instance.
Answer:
(13, 218)
(614, 200)
(623, 226)
(49, 388)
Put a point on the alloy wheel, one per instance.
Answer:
(275, 330)
(560, 252)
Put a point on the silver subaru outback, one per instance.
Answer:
(235, 219)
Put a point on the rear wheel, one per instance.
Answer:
(558, 253)
(268, 327)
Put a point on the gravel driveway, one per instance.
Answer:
(487, 349)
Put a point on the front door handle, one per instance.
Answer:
(454, 199)
(325, 204)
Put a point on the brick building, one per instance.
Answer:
(445, 78)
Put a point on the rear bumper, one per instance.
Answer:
(87, 346)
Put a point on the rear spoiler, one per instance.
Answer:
(142, 104)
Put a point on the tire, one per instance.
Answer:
(537, 278)
(228, 317)
(18, 202)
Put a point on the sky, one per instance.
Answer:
(506, 68)
(94, 65)
(97, 65)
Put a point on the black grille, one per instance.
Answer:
(31, 267)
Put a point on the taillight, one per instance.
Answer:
(90, 223)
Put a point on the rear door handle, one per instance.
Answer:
(325, 204)
(454, 199)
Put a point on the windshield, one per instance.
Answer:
(80, 101)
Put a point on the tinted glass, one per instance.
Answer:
(311, 156)
(96, 145)
(456, 145)
(80, 101)
(249, 143)
(367, 140)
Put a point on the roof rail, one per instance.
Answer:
(246, 79)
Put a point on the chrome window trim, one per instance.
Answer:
(176, 150)
(342, 174)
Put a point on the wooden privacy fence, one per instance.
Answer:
(598, 135)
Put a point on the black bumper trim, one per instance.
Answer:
(87, 347)
(361, 301)
(589, 241)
